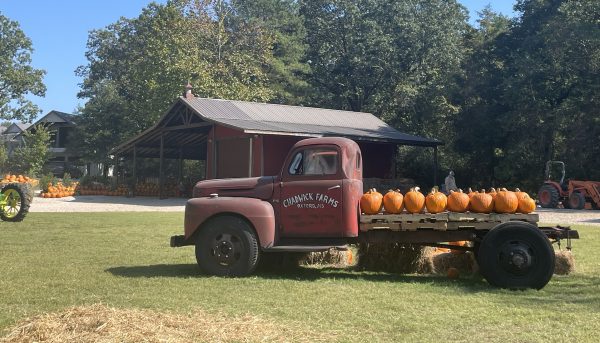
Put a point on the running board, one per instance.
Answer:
(304, 248)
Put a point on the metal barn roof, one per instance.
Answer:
(187, 122)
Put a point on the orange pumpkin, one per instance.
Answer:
(459, 244)
(506, 202)
(458, 201)
(414, 201)
(371, 202)
(435, 201)
(393, 201)
(350, 256)
(520, 195)
(453, 273)
(482, 202)
(526, 205)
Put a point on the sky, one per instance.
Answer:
(59, 29)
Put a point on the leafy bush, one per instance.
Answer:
(45, 179)
(67, 181)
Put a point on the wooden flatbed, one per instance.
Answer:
(441, 221)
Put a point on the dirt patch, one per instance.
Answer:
(99, 323)
(103, 203)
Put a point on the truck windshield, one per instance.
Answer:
(314, 162)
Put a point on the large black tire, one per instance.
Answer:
(227, 246)
(577, 201)
(516, 255)
(17, 202)
(548, 197)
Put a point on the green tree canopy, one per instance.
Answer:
(17, 77)
(33, 154)
(137, 67)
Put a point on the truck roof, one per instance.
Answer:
(339, 141)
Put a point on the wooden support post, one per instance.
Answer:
(161, 186)
(134, 168)
(213, 172)
(251, 158)
(180, 164)
(435, 166)
(117, 168)
(394, 162)
(262, 155)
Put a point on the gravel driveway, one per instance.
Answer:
(101, 203)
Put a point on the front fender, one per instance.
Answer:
(260, 214)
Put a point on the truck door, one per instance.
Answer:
(311, 193)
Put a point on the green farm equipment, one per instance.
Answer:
(14, 202)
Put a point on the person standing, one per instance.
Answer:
(450, 183)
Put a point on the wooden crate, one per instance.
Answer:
(440, 221)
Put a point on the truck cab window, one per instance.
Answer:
(314, 162)
(357, 161)
(296, 165)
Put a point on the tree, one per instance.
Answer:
(137, 67)
(31, 157)
(17, 77)
(288, 71)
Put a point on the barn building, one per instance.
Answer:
(246, 139)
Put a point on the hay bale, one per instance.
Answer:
(395, 258)
(565, 263)
(463, 262)
(332, 256)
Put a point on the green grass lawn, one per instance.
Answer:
(55, 260)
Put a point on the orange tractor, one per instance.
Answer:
(572, 194)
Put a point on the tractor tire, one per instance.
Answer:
(577, 201)
(17, 201)
(227, 246)
(548, 197)
(516, 255)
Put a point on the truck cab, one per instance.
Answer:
(312, 205)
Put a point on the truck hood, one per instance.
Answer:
(252, 187)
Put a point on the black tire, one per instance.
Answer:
(577, 201)
(532, 261)
(227, 246)
(548, 197)
(16, 200)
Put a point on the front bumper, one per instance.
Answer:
(179, 241)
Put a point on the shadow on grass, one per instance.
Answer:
(470, 283)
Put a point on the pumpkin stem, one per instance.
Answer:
(504, 190)
(397, 191)
(459, 191)
(411, 190)
(391, 191)
(417, 189)
(482, 191)
(517, 190)
(451, 191)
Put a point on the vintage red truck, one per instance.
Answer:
(313, 205)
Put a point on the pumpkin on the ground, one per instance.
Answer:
(393, 201)
(453, 273)
(414, 201)
(435, 201)
(458, 201)
(482, 202)
(371, 202)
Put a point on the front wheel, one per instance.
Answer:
(577, 201)
(15, 201)
(516, 255)
(227, 246)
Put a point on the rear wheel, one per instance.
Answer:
(577, 201)
(227, 246)
(548, 197)
(15, 202)
(516, 255)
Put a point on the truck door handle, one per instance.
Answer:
(334, 187)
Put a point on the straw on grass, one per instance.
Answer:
(99, 323)
(565, 263)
